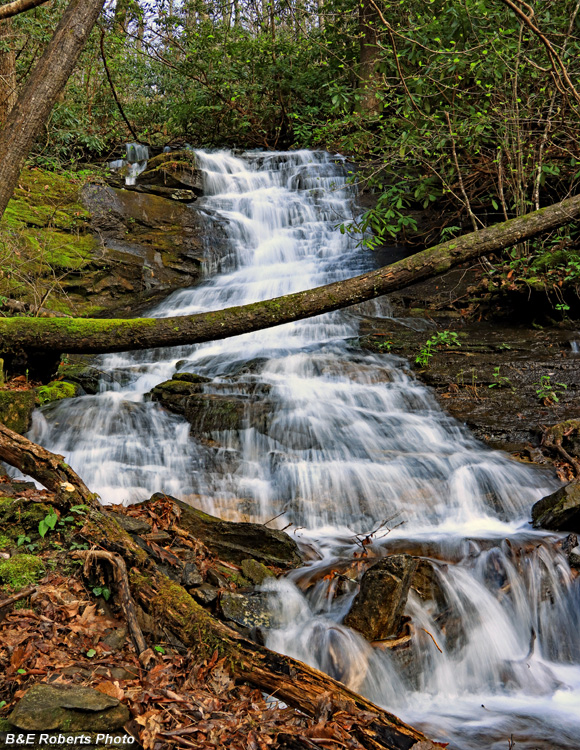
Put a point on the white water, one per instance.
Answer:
(351, 439)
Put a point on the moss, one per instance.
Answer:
(21, 570)
(195, 626)
(16, 409)
(55, 391)
(5, 542)
(27, 515)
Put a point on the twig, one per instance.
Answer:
(23, 594)
(433, 639)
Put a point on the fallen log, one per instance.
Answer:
(84, 335)
(175, 611)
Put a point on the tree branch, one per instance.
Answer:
(19, 6)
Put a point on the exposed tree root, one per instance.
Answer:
(554, 436)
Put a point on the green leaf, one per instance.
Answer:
(91, 652)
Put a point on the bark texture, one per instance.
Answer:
(45, 335)
(8, 10)
(177, 612)
(8, 94)
(42, 89)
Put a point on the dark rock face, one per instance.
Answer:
(236, 542)
(50, 707)
(559, 511)
(150, 244)
(176, 170)
(377, 611)
(210, 412)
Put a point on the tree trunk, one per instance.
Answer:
(7, 70)
(44, 85)
(369, 59)
(52, 335)
(176, 611)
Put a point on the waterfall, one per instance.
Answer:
(351, 440)
(135, 161)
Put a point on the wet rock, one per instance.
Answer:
(149, 244)
(377, 610)
(16, 409)
(131, 524)
(86, 376)
(254, 610)
(210, 412)
(190, 377)
(255, 571)
(217, 579)
(559, 511)
(191, 577)
(205, 594)
(574, 557)
(50, 707)
(235, 542)
(177, 169)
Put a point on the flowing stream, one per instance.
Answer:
(343, 444)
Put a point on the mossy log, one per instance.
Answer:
(43, 335)
(178, 613)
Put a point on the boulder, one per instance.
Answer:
(256, 572)
(177, 169)
(208, 413)
(50, 707)
(254, 610)
(377, 610)
(235, 542)
(559, 511)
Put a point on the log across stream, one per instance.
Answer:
(340, 443)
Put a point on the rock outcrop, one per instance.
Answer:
(559, 511)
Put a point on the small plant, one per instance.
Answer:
(26, 543)
(500, 381)
(50, 521)
(102, 591)
(441, 338)
(47, 523)
(549, 392)
(159, 649)
(385, 346)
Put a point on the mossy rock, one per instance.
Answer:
(236, 542)
(21, 570)
(55, 391)
(16, 409)
(74, 708)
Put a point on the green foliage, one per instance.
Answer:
(47, 523)
(439, 339)
(103, 591)
(500, 381)
(548, 392)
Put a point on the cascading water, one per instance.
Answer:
(339, 442)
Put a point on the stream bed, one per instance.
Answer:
(352, 451)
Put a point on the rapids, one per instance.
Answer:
(354, 443)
